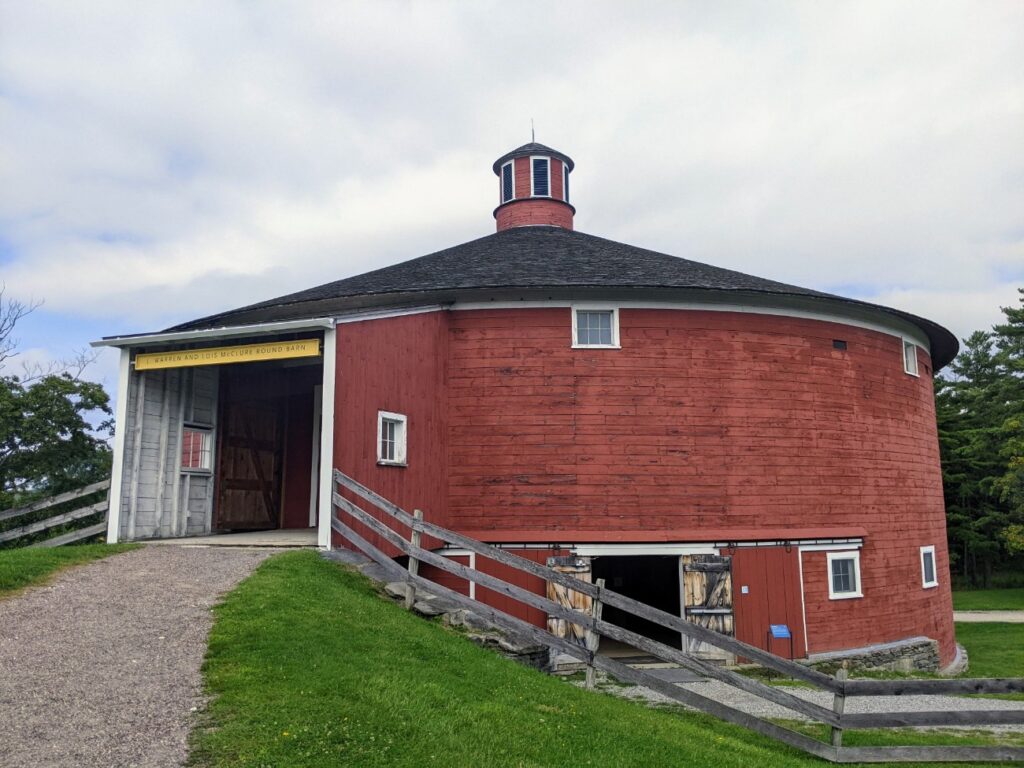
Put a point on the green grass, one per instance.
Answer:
(989, 600)
(994, 650)
(307, 665)
(20, 568)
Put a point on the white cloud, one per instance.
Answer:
(178, 159)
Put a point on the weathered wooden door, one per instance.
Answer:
(579, 568)
(251, 451)
(707, 600)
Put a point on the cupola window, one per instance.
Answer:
(541, 176)
(507, 188)
(565, 182)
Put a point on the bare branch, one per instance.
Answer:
(11, 311)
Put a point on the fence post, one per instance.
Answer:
(593, 638)
(838, 705)
(414, 564)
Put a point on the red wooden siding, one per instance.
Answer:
(772, 578)
(703, 420)
(895, 605)
(395, 364)
(520, 579)
(446, 579)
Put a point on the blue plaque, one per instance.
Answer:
(780, 631)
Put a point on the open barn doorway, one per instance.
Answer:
(650, 579)
(267, 446)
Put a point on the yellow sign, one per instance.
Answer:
(246, 353)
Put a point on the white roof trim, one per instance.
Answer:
(224, 332)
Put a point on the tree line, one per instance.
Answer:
(53, 423)
(979, 405)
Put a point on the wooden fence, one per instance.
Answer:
(62, 518)
(593, 625)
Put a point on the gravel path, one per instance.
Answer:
(754, 705)
(101, 667)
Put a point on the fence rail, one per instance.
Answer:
(834, 717)
(62, 518)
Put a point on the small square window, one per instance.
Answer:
(910, 357)
(507, 182)
(196, 449)
(391, 439)
(844, 575)
(929, 577)
(596, 328)
(541, 176)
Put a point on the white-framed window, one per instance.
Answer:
(508, 182)
(910, 357)
(540, 176)
(391, 438)
(843, 575)
(565, 182)
(929, 574)
(196, 449)
(595, 327)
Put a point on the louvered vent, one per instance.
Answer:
(541, 180)
(506, 182)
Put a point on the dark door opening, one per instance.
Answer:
(265, 446)
(651, 579)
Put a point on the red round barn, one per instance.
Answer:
(557, 393)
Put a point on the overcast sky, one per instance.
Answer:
(162, 161)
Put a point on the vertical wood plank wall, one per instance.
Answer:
(157, 499)
(772, 577)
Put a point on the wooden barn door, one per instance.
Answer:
(707, 600)
(579, 568)
(251, 452)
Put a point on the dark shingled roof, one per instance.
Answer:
(528, 258)
(533, 148)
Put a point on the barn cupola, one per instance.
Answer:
(533, 188)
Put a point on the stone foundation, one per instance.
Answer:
(915, 654)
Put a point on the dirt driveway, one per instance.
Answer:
(102, 666)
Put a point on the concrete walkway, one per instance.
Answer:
(102, 666)
(754, 705)
(1009, 617)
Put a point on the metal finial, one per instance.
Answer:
(533, 135)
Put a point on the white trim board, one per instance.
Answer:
(847, 547)
(117, 466)
(227, 331)
(597, 550)
(327, 439)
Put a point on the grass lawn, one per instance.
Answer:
(308, 666)
(989, 600)
(994, 650)
(20, 568)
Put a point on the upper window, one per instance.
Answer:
(507, 182)
(541, 174)
(196, 449)
(565, 182)
(910, 357)
(928, 574)
(595, 327)
(844, 575)
(391, 438)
